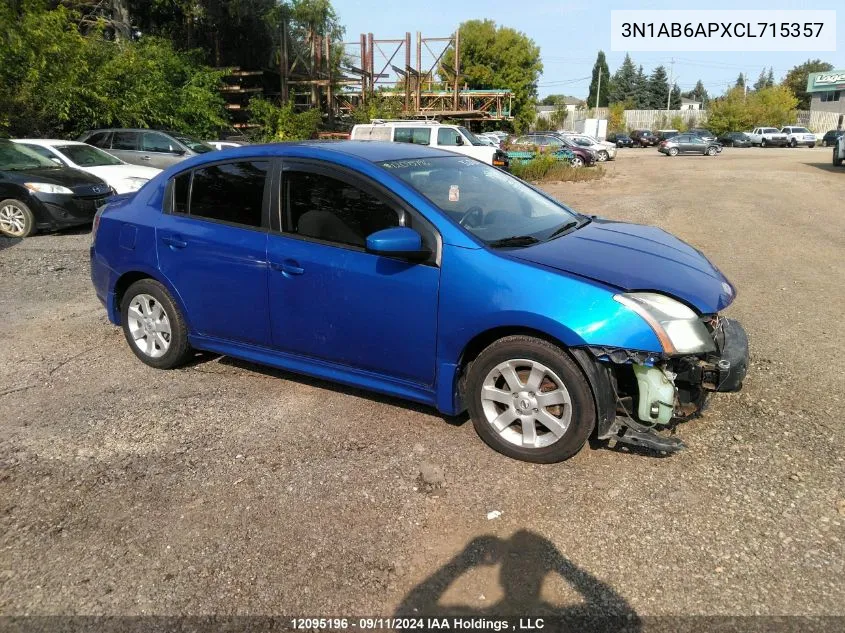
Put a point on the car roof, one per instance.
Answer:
(372, 151)
(47, 142)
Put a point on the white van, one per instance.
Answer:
(453, 138)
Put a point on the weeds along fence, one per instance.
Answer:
(819, 122)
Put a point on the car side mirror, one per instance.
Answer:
(399, 241)
(58, 161)
(459, 140)
(179, 151)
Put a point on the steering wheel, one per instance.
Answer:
(474, 210)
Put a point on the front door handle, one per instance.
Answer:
(288, 267)
(173, 241)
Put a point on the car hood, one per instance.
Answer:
(64, 176)
(636, 257)
(120, 172)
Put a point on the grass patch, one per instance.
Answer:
(547, 168)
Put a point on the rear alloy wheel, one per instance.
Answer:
(16, 220)
(602, 156)
(529, 400)
(153, 325)
(576, 161)
(711, 151)
(673, 151)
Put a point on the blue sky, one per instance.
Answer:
(570, 34)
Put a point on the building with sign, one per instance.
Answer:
(828, 91)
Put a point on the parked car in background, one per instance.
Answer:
(219, 145)
(491, 296)
(704, 133)
(145, 147)
(487, 140)
(552, 142)
(796, 136)
(452, 138)
(36, 193)
(603, 149)
(830, 137)
(767, 137)
(644, 138)
(662, 135)
(734, 139)
(688, 144)
(120, 176)
(621, 140)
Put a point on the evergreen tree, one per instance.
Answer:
(770, 78)
(623, 84)
(658, 88)
(699, 93)
(675, 100)
(599, 68)
(641, 100)
(740, 81)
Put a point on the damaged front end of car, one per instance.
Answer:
(639, 393)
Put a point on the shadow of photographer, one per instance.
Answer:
(525, 559)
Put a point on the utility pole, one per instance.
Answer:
(669, 85)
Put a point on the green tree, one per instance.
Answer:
(623, 84)
(601, 75)
(499, 57)
(765, 80)
(773, 106)
(282, 122)
(699, 93)
(675, 98)
(616, 116)
(740, 82)
(59, 82)
(641, 91)
(658, 89)
(730, 113)
(796, 80)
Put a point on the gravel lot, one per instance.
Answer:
(229, 488)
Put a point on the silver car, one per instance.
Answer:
(151, 148)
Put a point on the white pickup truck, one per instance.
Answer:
(796, 136)
(768, 136)
(453, 138)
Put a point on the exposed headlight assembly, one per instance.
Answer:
(678, 328)
(46, 187)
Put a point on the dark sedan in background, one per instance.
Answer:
(36, 193)
(621, 140)
(688, 144)
(704, 133)
(734, 139)
(830, 137)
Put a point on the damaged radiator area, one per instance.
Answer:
(654, 392)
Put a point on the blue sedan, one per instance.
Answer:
(427, 276)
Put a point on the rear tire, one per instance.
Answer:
(602, 156)
(153, 325)
(673, 151)
(793, 143)
(512, 418)
(16, 219)
(711, 151)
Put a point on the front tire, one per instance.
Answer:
(577, 161)
(602, 156)
(673, 151)
(836, 160)
(763, 143)
(811, 145)
(711, 151)
(153, 325)
(529, 400)
(16, 219)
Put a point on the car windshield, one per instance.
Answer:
(88, 156)
(494, 206)
(16, 157)
(770, 130)
(192, 144)
(800, 130)
(472, 138)
(580, 140)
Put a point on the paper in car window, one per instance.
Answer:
(454, 193)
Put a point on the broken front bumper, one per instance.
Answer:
(662, 391)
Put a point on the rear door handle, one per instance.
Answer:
(288, 267)
(173, 241)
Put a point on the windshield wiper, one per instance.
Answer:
(562, 229)
(514, 240)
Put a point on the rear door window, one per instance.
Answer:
(125, 140)
(414, 135)
(155, 142)
(228, 192)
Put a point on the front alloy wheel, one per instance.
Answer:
(16, 220)
(529, 400)
(673, 151)
(602, 156)
(577, 161)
